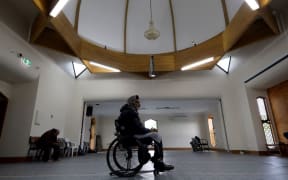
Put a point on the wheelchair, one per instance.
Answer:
(126, 155)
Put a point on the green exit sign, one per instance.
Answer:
(26, 61)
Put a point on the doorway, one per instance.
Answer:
(3, 109)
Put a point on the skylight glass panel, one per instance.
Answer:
(224, 64)
(78, 69)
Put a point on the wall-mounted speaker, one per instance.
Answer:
(89, 111)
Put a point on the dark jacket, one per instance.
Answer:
(49, 138)
(129, 118)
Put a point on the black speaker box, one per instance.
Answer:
(89, 111)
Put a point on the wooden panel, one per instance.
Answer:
(125, 26)
(51, 39)
(38, 26)
(278, 96)
(43, 5)
(238, 25)
(210, 48)
(257, 31)
(269, 19)
(173, 25)
(225, 12)
(245, 26)
(68, 33)
(164, 63)
(76, 23)
(122, 61)
(94, 69)
(264, 3)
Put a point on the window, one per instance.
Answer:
(151, 124)
(224, 64)
(211, 131)
(78, 69)
(266, 122)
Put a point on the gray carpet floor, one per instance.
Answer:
(188, 165)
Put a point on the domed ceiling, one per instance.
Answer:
(111, 32)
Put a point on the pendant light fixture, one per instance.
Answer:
(151, 33)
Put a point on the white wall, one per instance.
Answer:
(53, 102)
(18, 120)
(176, 132)
(106, 130)
(36, 107)
(242, 132)
(201, 85)
(252, 95)
(232, 7)
(11, 17)
(5, 88)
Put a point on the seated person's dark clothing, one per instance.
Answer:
(129, 118)
(198, 139)
(285, 134)
(47, 142)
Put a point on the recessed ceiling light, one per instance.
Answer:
(103, 66)
(198, 63)
(58, 7)
(254, 5)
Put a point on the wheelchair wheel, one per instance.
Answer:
(123, 161)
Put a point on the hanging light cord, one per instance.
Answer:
(150, 11)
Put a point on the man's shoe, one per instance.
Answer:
(161, 166)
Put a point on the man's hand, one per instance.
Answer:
(154, 130)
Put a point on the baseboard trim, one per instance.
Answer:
(259, 153)
(177, 148)
(14, 159)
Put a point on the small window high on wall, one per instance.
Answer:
(266, 121)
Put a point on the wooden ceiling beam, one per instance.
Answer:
(76, 22)
(173, 25)
(269, 19)
(225, 12)
(238, 25)
(68, 33)
(125, 26)
(246, 18)
(38, 27)
(44, 6)
(259, 30)
(51, 39)
(210, 48)
(94, 69)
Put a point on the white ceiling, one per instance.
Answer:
(102, 22)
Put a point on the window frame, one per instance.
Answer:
(268, 120)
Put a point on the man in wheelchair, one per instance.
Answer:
(132, 126)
